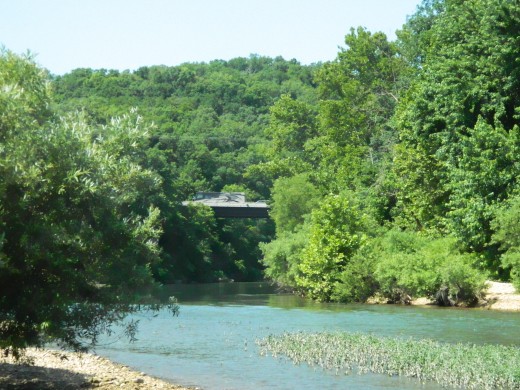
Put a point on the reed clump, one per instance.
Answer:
(466, 366)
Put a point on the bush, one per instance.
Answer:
(412, 265)
(507, 235)
(338, 229)
(356, 282)
(281, 256)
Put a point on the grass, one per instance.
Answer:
(454, 365)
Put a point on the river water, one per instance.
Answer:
(211, 344)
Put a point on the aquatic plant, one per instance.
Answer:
(466, 366)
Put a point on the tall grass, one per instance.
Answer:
(455, 365)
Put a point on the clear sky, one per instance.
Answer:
(127, 34)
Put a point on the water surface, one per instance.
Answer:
(212, 343)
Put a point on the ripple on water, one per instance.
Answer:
(212, 343)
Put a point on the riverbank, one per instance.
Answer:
(502, 296)
(497, 296)
(64, 370)
(44, 369)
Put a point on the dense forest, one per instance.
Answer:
(390, 171)
(209, 127)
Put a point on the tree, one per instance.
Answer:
(359, 92)
(346, 149)
(505, 226)
(78, 234)
(337, 231)
(293, 199)
(459, 123)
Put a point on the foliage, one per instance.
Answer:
(507, 236)
(337, 230)
(25, 94)
(356, 281)
(411, 265)
(415, 38)
(293, 198)
(459, 123)
(282, 256)
(359, 92)
(347, 149)
(211, 126)
(78, 231)
(460, 365)
(291, 124)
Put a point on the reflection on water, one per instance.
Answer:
(212, 343)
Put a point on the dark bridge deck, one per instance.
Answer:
(231, 205)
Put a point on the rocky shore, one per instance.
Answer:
(44, 369)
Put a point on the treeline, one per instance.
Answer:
(391, 170)
(403, 179)
(209, 127)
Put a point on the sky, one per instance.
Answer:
(128, 34)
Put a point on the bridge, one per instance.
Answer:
(231, 205)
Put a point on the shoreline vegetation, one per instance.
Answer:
(461, 365)
(51, 369)
(497, 296)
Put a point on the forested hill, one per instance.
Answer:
(210, 127)
(209, 117)
(392, 169)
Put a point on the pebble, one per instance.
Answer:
(76, 371)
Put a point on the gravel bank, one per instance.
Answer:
(67, 371)
(502, 296)
(497, 296)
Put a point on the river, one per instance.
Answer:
(211, 344)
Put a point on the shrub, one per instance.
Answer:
(507, 235)
(411, 265)
(281, 256)
(338, 229)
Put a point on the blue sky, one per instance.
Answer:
(127, 34)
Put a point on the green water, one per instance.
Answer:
(212, 343)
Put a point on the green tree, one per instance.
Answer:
(359, 92)
(346, 148)
(505, 226)
(293, 199)
(77, 231)
(337, 230)
(459, 123)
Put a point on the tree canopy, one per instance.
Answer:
(424, 133)
(78, 229)
(391, 170)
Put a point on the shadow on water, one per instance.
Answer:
(248, 293)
